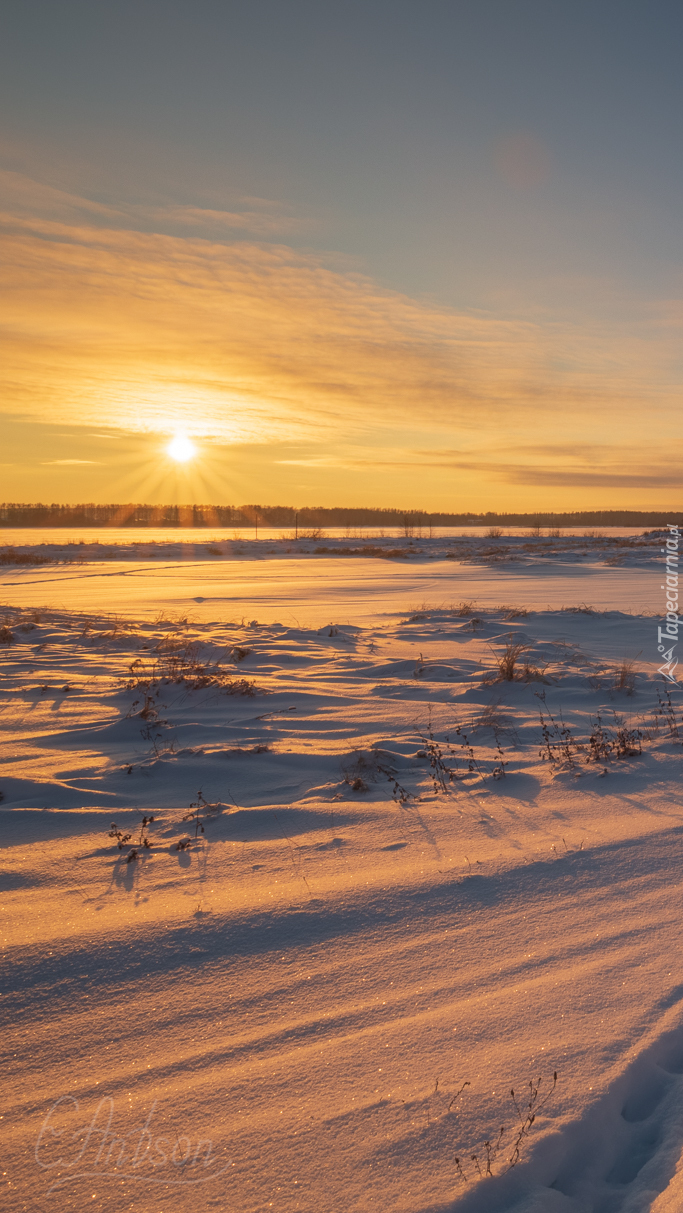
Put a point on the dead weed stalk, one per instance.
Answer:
(485, 1157)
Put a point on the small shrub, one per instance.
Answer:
(6, 635)
(494, 532)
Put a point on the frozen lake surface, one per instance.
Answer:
(317, 590)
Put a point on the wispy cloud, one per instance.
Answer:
(659, 479)
(23, 198)
(114, 326)
(513, 471)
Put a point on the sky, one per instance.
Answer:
(422, 255)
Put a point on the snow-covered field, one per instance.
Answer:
(385, 885)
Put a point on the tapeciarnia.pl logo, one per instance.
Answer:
(667, 636)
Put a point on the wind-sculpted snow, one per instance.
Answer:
(394, 871)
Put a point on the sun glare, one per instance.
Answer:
(181, 449)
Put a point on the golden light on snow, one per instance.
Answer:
(181, 449)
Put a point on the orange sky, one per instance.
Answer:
(305, 381)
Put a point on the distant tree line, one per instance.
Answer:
(138, 515)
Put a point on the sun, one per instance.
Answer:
(181, 449)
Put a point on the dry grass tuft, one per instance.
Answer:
(507, 662)
(238, 653)
(360, 769)
(510, 612)
(179, 663)
(490, 717)
(363, 767)
(508, 665)
(583, 609)
(498, 722)
(625, 677)
(9, 556)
